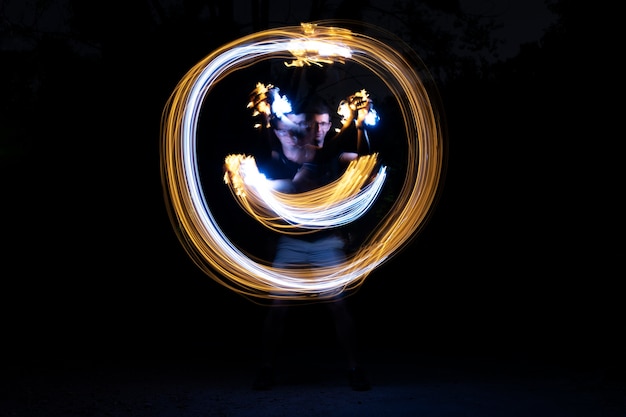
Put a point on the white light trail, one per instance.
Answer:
(333, 205)
(405, 76)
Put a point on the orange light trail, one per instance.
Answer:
(333, 205)
(322, 44)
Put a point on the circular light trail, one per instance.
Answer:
(318, 43)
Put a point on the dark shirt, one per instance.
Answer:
(279, 167)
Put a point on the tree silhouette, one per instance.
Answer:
(112, 39)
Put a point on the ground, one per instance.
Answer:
(311, 384)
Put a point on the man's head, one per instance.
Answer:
(292, 130)
(318, 116)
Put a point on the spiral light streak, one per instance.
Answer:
(198, 230)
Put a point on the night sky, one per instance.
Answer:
(508, 263)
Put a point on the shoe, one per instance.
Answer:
(358, 380)
(264, 380)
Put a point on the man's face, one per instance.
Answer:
(321, 126)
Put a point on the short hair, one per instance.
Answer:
(315, 104)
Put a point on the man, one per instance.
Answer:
(333, 151)
(298, 165)
(292, 147)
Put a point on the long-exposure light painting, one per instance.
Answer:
(341, 202)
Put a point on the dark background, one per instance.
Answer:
(512, 262)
